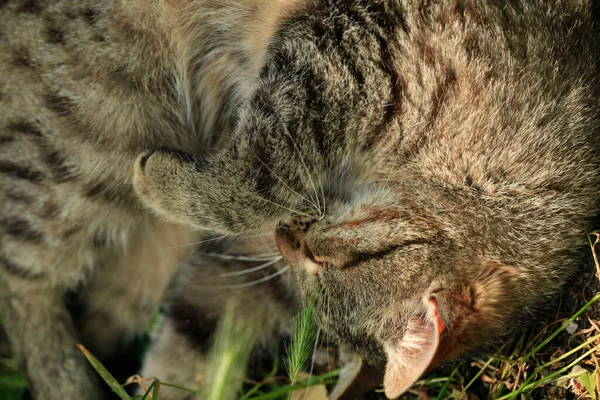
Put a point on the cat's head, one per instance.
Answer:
(402, 287)
(407, 274)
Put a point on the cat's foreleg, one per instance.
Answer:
(43, 338)
(123, 295)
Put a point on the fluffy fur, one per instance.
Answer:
(431, 149)
(85, 87)
(443, 150)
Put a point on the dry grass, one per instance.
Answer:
(558, 360)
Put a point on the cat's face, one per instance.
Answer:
(393, 284)
(405, 274)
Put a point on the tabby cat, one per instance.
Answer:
(432, 167)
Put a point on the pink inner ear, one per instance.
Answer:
(409, 358)
(441, 325)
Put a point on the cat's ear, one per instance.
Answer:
(410, 357)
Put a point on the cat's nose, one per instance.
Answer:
(292, 245)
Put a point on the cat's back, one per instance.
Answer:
(503, 95)
(83, 87)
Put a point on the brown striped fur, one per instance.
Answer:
(473, 125)
(414, 148)
(86, 86)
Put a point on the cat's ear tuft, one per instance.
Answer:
(410, 357)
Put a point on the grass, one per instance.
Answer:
(305, 335)
(229, 357)
(559, 360)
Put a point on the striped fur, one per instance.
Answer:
(85, 86)
(431, 150)
(447, 148)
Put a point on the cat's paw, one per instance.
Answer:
(167, 181)
(220, 195)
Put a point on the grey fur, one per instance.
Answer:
(244, 271)
(456, 144)
(426, 145)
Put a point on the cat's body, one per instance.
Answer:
(84, 88)
(446, 150)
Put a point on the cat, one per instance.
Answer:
(432, 166)
(85, 86)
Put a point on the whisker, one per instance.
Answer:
(270, 253)
(284, 207)
(286, 185)
(243, 258)
(258, 281)
(269, 201)
(194, 243)
(272, 202)
(253, 269)
(287, 132)
(314, 355)
(322, 212)
(326, 330)
(277, 204)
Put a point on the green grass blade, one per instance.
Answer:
(267, 378)
(147, 393)
(442, 391)
(528, 382)
(325, 379)
(472, 381)
(559, 330)
(103, 372)
(177, 387)
(507, 363)
(13, 380)
(304, 334)
(229, 356)
(526, 386)
(567, 354)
